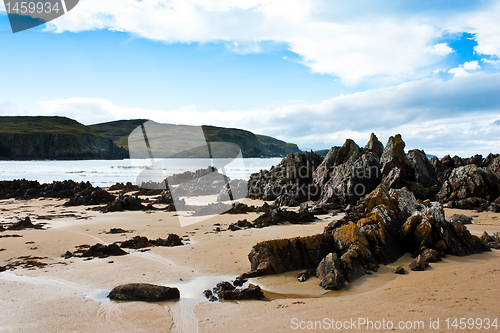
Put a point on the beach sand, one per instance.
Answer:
(69, 295)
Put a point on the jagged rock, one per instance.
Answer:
(424, 181)
(282, 255)
(239, 281)
(394, 155)
(352, 179)
(468, 182)
(400, 270)
(492, 241)
(143, 292)
(419, 264)
(495, 206)
(289, 183)
(460, 218)
(68, 255)
(329, 272)
(124, 188)
(495, 165)
(124, 202)
(383, 226)
(374, 146)
(226, 291)
(305, 275)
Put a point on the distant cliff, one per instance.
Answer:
(251, 145)
(58, 138)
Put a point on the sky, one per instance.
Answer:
(309, 72)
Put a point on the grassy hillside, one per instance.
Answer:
(24, 138)
(180, 138)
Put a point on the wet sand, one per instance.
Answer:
(69, 295)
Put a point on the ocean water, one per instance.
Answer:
(105, 173)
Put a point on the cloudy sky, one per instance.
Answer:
(309, 72)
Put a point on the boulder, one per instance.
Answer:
(329, 272)
(103, 251)
(419, 264)
(400, 270)
(460, 218)
(143, 292)
(470, 181)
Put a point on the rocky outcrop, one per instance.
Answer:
(274, 216)
(82, 193)
(470, 186)
(139, 242)
(102, 251)
(123, 202)
(226, 291)
(380, 229)
(143, 292)
(288, 183)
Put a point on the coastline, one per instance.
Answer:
(69, 294)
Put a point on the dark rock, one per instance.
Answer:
(124, 202)
(419, 264)
(289, 183)
(470, 181)
(305, 275)
(103, 251)
(329, 271)
(143, 292)
(253, 292)
(374, 146)
(492, 241)
(68, 255)
(282, 255)
(139, 242)
(239, 281)
(400, 270)
(460, 218)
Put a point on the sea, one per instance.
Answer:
(104, 173)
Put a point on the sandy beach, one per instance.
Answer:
(69, 295)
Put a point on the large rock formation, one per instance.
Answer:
(288, 183)
(381, 228)
(470, 187)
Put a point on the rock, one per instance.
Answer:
(400, 270)
(239, 281)
(143, 292)
(470, 181)
(103, 251)
(139, 242)
(383, 226)
(495, 206)
(460, 218)
(282, 255)
(424, 182)
(68, 255)
(495, 166)
(394, 155)
(419, 264)
(305, 275)
(329, 272)
(289, 183)
(226, 291)
(492, 241)
(374, 146)
(124, 202)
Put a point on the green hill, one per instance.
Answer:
(26, 138)
(178, 136)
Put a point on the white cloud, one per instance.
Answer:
(494, 62)
(432, 114)
(471, 65)
(354, 41)
(465, 68)
(441, 49)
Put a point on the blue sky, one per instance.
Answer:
(313, 73)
